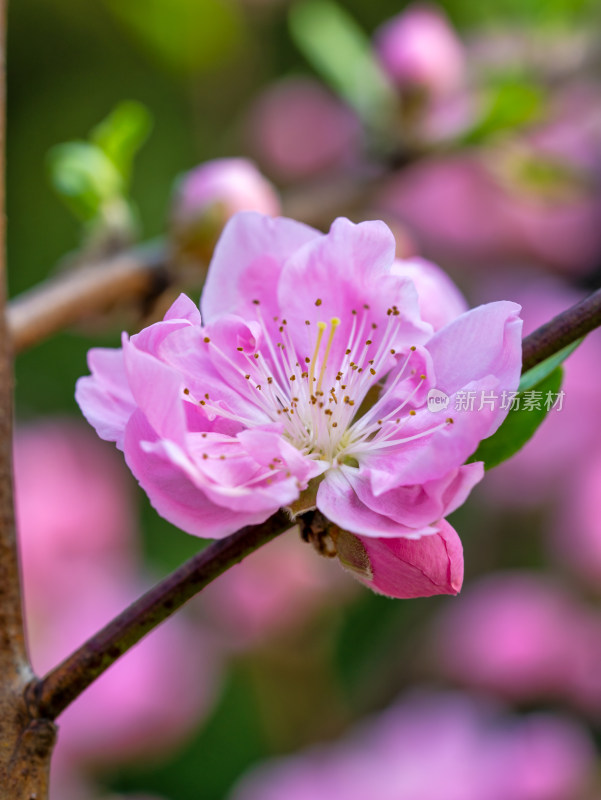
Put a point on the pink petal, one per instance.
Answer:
(432, 457)
(183, 308)
(484, 341)
(172, 493)
(104, 396)
(346, 275)
(419, 504)
(338, 501)
(440, 301)
(247, 262)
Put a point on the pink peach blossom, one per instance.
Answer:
(224, 422)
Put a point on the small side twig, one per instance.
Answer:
(53, 693)
(72, 296)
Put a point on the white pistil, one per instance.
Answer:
(321, 326)
(334, 323)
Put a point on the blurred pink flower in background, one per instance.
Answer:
(513, 633)
(75, 506)
(298, 128)
(419, 49)
(207, 196)
(573, 131)
(461, 213)
(430, 746)
(575, 532)
(223, 423)
(523, 636)
(81, 567)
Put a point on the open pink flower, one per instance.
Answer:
(309, 378)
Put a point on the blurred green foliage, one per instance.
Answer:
(334, 43)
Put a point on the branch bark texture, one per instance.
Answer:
(25, 741)
(561, 331)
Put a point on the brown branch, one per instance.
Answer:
(74, 295)
(12, 646)
(25, 742)
(53, 693)
(561, 331)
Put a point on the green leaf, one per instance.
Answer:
(511, 105)
(84, 177)
(122, 133)
(546, 367)
(520, 425)
(341, 52)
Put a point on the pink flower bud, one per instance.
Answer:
(419, 49)
(207, 196)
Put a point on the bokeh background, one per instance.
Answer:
(474, 130)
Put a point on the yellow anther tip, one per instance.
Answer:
(335, 322)
(322, 326)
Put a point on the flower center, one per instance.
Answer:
(319, 398)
